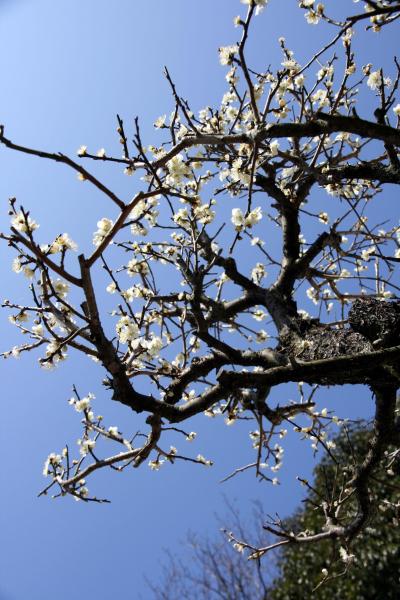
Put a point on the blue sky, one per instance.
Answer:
(67, 68)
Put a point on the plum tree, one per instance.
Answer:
(247, 212)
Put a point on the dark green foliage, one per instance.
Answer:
(375, 571)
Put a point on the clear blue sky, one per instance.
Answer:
(67, 68)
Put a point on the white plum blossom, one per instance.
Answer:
(61, 243)
(136, 266)
(83, 403)
(261, 336)
(258, 272)
(60, 287)
(16, 265)
(292, 65)
(323, 217)
(153, 346)
(259, 314)
(226, 54)
(23, 223)
(181, 218)
(200, 458)
(104, 226)
(127, 330)
(111, 288)
(177, 170)
(311, 17)
(82, 151)
(366, 254)
(38, 330)
(259, 4)
(238, 173)
(155, 464)
(345, 556)
(241, 221)
(160, 122)
(204, 214)
(53, 460)
(274, 148)
(86, 446)
(321, 96)
(374, 80)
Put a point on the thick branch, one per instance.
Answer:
(357, 368)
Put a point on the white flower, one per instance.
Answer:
(323, 217)
(273, 148)
(87, 445)
(200, 458)
(37, 330)
(137, 266)
(259, 315)
(226, 54)
(258, 272)
(82, 151)
(299, 80)
(311, 17)
(153, 346)
(177, 170)
(104, 227)
(321, 96)
(113, 430)
(396, 110)
(261, 336)
(237, 218)
(61, 288)
(346, 558)
(374, 80)
(52, 459)
(160, 121)
(313, 294)
(237, 173)
(365, 254)
(240, 221)
(127, 330)
(83, 492)
(292, 65)
(191, 436)
(83, 404)
(155, 464)
(204, 214)
(16, 265)
(23, 223)
(260, 4)
(62, 242)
